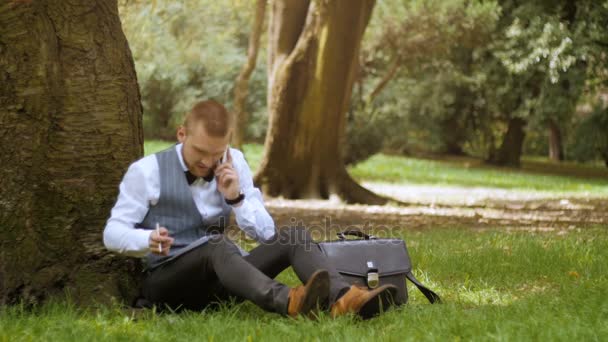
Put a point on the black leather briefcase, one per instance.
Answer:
(373, 262)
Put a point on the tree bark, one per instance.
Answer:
(70, 117)
(556, 149)
(242, 81)
(509, 153)
(313, 51)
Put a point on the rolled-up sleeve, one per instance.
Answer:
(251, 216)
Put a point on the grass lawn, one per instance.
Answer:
(496, 284)
(535, 174)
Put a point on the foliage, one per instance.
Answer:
(435, 76)
(187, 51)
(558, 48)
(496, 284)
(544, 48)
(466, 68)
(432, 45)
(365, 134)
(591, 136)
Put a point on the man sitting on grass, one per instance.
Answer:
(172, 209)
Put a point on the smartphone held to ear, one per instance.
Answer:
(225, 156)
(223, 159)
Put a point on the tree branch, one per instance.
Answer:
(242, 81)
(385, 80)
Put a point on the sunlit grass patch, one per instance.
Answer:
(153, 146)
(471, 173)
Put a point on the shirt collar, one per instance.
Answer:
(179, 148)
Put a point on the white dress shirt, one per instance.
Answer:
(140, 188)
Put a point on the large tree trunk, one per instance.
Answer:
(509, 153)
(313, 51)
(556, 149)
(70, 117)
(242, 81)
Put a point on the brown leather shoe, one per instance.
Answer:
(305, 298)
(366, 303)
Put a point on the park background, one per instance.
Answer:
(477, 131)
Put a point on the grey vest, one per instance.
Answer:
(177, 211)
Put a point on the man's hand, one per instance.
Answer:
(227, 178)
(160, 239)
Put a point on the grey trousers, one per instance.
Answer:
(216, 271)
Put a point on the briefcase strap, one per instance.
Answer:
(428, 293)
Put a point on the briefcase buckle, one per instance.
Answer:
(372, 275)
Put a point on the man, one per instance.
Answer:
(172, 209)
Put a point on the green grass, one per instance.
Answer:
(543, 176)
(153, 146)
(497, 285)
(535, 175)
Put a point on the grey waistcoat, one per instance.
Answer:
(177, 211)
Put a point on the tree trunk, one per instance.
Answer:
(453, 134)
(313, 51)
(509, 153)
(556, 149)
(70, 117)
(242, 81)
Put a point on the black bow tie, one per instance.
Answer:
(192, 178)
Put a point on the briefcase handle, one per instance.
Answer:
(354, 232)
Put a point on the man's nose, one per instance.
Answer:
(207, 161)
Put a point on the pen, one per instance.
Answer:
(160, 246)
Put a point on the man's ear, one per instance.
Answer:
(181, 134)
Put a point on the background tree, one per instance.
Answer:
(242, 81)
(501, 71)
(70, 118)
(312, 58)
(545, 47)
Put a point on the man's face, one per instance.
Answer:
(201, 152)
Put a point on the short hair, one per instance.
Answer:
(213, 115)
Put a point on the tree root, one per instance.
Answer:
(352, 192)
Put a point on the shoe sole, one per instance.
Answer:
(317, 292)
(380, 301)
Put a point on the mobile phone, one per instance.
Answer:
(224, 157)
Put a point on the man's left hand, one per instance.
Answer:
(227, 178)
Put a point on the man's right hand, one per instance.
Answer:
(161, 239)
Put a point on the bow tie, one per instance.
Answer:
(192, 178)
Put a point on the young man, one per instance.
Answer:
(172, 209)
